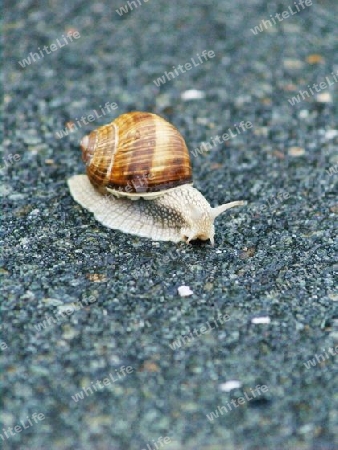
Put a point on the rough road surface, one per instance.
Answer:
(92, 347)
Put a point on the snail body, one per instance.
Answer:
(142, 157)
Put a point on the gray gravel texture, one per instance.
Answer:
(274, 259)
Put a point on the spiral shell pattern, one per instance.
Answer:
(137, 153)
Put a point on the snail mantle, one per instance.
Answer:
(139, 181)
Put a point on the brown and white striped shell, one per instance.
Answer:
(138, 154)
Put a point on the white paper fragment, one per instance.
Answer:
(230, 385)
(192, 94)
(265, 319)
(325, 97)
(184, 291)
(296, 151)
(331, 134)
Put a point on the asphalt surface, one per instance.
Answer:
(270, 273)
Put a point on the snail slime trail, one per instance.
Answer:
(140, 156)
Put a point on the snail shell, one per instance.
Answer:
(140, 156)
(138, 153)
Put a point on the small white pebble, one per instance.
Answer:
(304, 113)
(331, 134)
(24, 241)
(35, 212)
(69, 334)
(203, 121)
(192, 94)
(293, 63)
(230, 385)
(185, 291)
(265, 319)
(296, 151)
(325, 97)
(52, 301)
(65, 308)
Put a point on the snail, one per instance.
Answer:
(139, 181)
